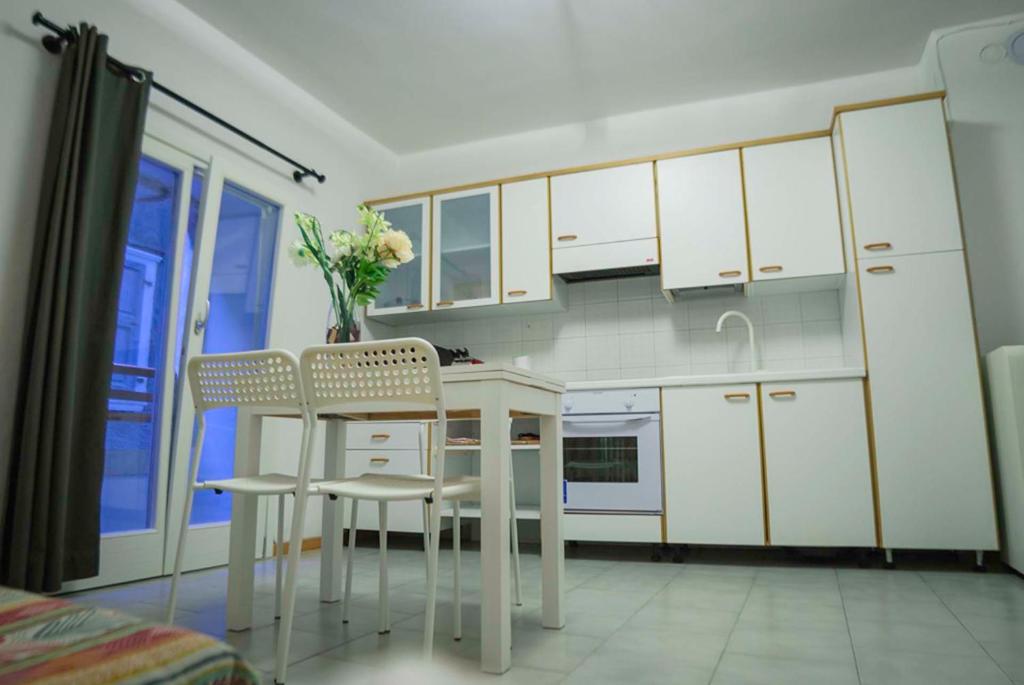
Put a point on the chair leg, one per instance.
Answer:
(279, 570)
(383, 608)
(351, 556)
(180, 554)
(514, 523)
(457, 558)
(426, 537)
(435, 539)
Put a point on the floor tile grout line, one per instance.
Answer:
(721, 655)
(846, 619)
(964, 626)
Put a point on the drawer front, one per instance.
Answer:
(364, 435)
(394, 462)
(403, 517)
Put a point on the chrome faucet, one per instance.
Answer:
(750, 330)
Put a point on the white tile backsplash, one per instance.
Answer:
(626, 329)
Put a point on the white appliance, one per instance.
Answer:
(612, 451)
(1006, 395)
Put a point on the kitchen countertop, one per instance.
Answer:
(720, 379)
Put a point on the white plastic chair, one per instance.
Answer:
(268, 379)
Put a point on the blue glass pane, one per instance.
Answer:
(132, 441)
(243, 266)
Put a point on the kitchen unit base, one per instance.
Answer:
(612, 527)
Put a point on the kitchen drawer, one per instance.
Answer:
(403, 517)
(364, 435)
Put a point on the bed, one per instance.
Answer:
(51, 640)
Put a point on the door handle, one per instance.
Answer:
(729, 274)
(516, 293)
(782, 394)
(379, 460)
(444, 303)
(414, 306)
(380, 436)
(730, 396)
(880, 269)
(773, 269)
(878, 246)
(567, 237)
(201, 320)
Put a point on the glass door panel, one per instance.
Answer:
(406, 288)
(466, 248)
(239, 304)
(140, 403)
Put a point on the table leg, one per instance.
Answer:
(552, 547)
(242, 543)
(333, 516)
(495, 600)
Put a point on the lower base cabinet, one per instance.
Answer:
(817, 464)
(712, 465)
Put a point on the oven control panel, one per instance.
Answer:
(625, 401)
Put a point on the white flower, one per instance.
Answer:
(300, 254)
(343, 242)
(394, 248)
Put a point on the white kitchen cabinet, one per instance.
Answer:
(713, 490)
(466, 248)
(934, 474)
(603, 206)
(703, 232)
(792, 209)
(525, 241)
(408, 286)
(817, 464)
(901, 180)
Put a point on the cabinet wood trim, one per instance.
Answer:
(764, 468)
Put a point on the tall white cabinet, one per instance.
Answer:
(525, 241)
(931, 449)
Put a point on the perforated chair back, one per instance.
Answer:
(269, 379)
(380, 376)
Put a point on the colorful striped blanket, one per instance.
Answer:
(50, 640)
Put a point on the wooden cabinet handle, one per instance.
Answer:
(781, 394)
(380, 436)
(878, 246)
(772, 269)
(730, 274)
(444, 303)
(880, 269)
(516, 293)
(730, 396)
(414, 306)
(567, 237)
(379, 460)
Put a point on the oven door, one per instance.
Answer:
(612, 462)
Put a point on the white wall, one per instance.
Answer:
(623, 329)
(985, 104)
(189, 56)
(712, 122)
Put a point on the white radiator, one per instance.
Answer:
(1006, 396)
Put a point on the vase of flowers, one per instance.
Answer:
(354, 265)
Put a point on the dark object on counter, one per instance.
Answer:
(444, 355)
(457, 356)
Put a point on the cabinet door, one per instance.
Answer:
(408, 285)
(525, 241)
(712, 465)
(703, 234)
(817, 465)
(603, 206)
(931, 451)
(901, 180)
(792, 210)
(466, 248)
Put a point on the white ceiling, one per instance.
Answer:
(418, 74)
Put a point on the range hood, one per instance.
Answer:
(606, 260)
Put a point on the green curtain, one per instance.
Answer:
(51, 530)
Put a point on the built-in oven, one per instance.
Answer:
(611, 451)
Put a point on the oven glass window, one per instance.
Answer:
(601, 459)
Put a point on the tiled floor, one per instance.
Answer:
(636, 622)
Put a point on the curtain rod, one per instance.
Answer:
(55, 44)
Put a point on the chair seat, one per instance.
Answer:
(263, 484)
(389, 487)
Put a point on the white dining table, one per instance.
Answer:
(490, 392)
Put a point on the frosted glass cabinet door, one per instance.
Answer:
(406, 289)
(466, 248)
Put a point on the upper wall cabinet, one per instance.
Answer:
(525, 241)
(703, 234)
(792, 210)
(604, 219)
(408, 286)
(466, 248)
(902, 195)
